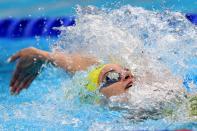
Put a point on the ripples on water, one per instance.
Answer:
(156, 46)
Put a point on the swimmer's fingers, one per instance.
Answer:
(14, 81)
(17, 73)
(22, 83)
(25, 84)
(17, 83)
(25, 69)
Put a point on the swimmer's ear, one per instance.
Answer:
(13, 57)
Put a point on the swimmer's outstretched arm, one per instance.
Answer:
(31, 60)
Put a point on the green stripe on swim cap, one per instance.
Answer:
(93, 78)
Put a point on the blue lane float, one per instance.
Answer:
(30, 27)
(192, 18)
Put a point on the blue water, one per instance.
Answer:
(60, 8)
(45, 106)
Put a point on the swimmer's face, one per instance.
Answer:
(115, 80)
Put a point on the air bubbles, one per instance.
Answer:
(35, 59)
(153, 44)
(40, 8)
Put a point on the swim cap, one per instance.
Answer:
(93, 78)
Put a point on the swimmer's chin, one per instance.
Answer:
(128, 86)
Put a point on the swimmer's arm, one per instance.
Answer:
(31, 60)
(68, 62)
(71, 62)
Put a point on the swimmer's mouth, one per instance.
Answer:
(130, 84)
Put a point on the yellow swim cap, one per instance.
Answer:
(93, 78)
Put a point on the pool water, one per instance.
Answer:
(23, 8)
(52, 101)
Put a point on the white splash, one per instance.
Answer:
(154, 45)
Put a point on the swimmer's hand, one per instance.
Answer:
(30, 62)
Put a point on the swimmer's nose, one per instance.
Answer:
(126, 75)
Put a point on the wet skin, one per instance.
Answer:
(31, 60)
(117, 88)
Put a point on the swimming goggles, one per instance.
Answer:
(110, 78)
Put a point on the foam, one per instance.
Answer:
(153, 45)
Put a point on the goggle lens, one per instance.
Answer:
(110, 78)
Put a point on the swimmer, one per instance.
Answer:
(110, 79)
